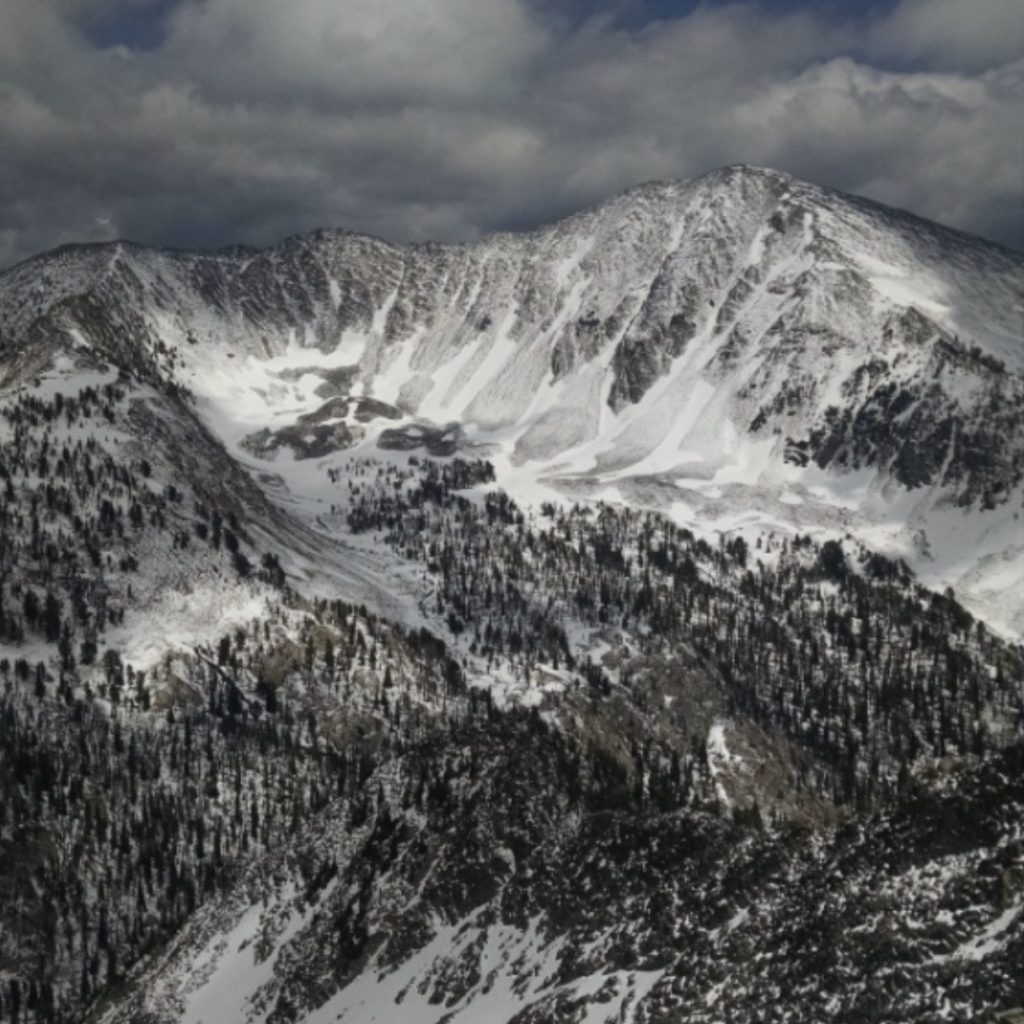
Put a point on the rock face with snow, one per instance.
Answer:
(743, 348)
(553, 628)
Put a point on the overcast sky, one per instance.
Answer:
(199, 123)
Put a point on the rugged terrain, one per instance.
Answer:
(743, 349)
(613, 622)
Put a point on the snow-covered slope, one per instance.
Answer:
(304, 718)
(741, 351)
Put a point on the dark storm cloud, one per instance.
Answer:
(205, 122)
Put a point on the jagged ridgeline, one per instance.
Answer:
(752, 346)
(603, 624)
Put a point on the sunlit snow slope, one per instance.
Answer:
(743, 351)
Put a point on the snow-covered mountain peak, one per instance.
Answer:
(505, 631)
(742, 349)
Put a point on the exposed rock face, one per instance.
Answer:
(739, 328)
(765, 280)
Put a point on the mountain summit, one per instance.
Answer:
(741, 350)
(597, 625)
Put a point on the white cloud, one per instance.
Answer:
(255, 119)
(961, 35)
(388, 51)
